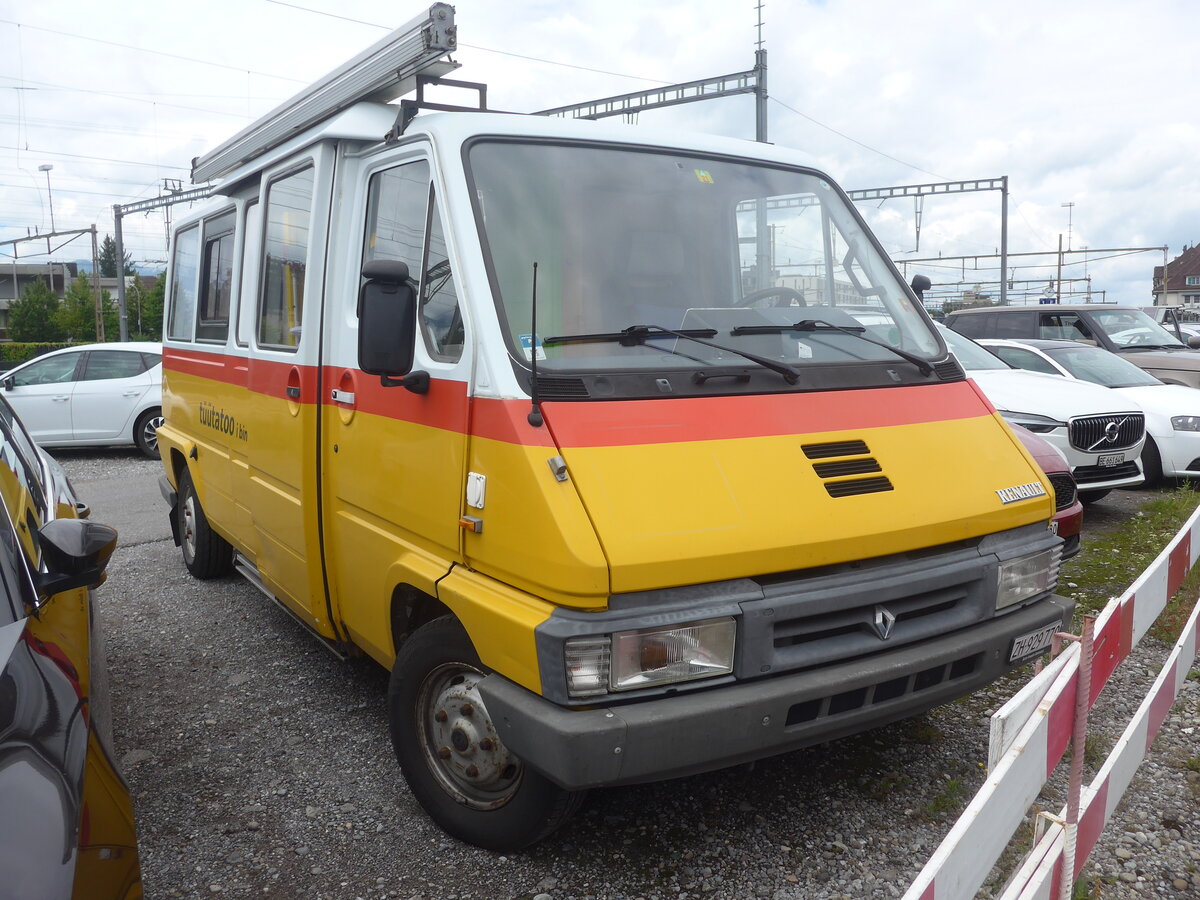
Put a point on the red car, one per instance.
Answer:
(1068, 511)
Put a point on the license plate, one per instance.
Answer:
(1111, 459)
(1053, 527)
(1032, 643)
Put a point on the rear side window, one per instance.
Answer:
(976, 326)
(104, 364)
(184, 267)
(285, 260)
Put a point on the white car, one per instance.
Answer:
(1100, 433)
(91, 396)
(1172, 410)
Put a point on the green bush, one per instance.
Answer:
(17, 352)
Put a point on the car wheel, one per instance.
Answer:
(145, 431)
(1151, 463)
(205, 553)
(450, 754)
(1089, 497)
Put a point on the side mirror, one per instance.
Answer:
(1194, 341)
(76, 553)
(387, 323)
(920, 284)
(9, 383)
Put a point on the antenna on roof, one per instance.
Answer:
(382, 72)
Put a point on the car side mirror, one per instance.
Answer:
(10, 383)
(387, 325)
(1194, 341)
(75, 552)
(920, 284)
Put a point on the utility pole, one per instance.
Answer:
(1058, 278)
(1070, 208)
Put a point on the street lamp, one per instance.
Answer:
(46, 167)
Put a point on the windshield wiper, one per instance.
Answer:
(639, 334)
(814, 325)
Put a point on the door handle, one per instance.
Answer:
(346, 397)
(130, 393)
(60, 398)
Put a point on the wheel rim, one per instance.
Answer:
(459, 740)
(188, 531)
(150, 432)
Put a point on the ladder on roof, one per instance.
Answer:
(383, 72)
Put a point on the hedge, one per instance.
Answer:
(16, 352)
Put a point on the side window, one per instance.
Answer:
(396, 204)
(1012, 326)
(51, 370)
(1063, 326)
(973, 326)
(105, 364)
(184, 267)
(217, 284)
(150, 360)
(441, 320)
(284, 260)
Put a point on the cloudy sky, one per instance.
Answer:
(1083, 103)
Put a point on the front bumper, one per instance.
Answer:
(686, 733)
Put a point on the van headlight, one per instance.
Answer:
(647, 657)
(1027, 576)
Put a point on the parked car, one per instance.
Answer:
(91, 396)
(1100, 434)
(1126, 330)
(1172, 411)
(1068, 510)
(66, 819)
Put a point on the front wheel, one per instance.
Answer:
(205, 553)
(455, 764)
(145, 432)
(1151, 463)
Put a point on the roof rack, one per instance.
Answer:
(383, 72)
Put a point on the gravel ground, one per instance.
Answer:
(261, 767)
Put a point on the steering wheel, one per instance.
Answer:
(1139, 338)
(787, 297)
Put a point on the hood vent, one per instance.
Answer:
(949, 370)
(557, 388)
(862, 463)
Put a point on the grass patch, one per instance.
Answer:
(948, 801)
(1111, 560)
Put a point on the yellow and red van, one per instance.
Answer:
(629, 453)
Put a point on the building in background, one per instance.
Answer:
(1183, 281)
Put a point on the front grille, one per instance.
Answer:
(1064, 490)
(855, 486)
(1085, 475)
(1100, 434)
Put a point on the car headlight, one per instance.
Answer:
(1027, 576)
(647, 657)
(1035, 423)
(1185, 423)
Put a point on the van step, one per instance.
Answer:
(249, 571)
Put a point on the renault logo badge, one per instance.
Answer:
(884, 622)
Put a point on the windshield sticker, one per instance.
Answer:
(527, 346)
(704, 177)
(803, 350)
(1021, 492)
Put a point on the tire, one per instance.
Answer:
(504, 807)
(1089, 497)
(1151, 463)
(205, 553)
(145, 432)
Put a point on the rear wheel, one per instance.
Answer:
(450, 754)
(1089, 497)
(145, 431)
(205, 553)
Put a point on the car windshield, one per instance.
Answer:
(1101, 367)
(1132, 328)
(969, 354)
(629, 237)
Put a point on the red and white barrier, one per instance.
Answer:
(1031, 732)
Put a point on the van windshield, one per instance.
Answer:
(627, 237)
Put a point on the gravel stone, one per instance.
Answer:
(261, 766)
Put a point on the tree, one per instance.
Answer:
(34, 316)
(144, 309)
(77, 313)
(108, 259)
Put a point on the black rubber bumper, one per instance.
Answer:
(702, 730)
